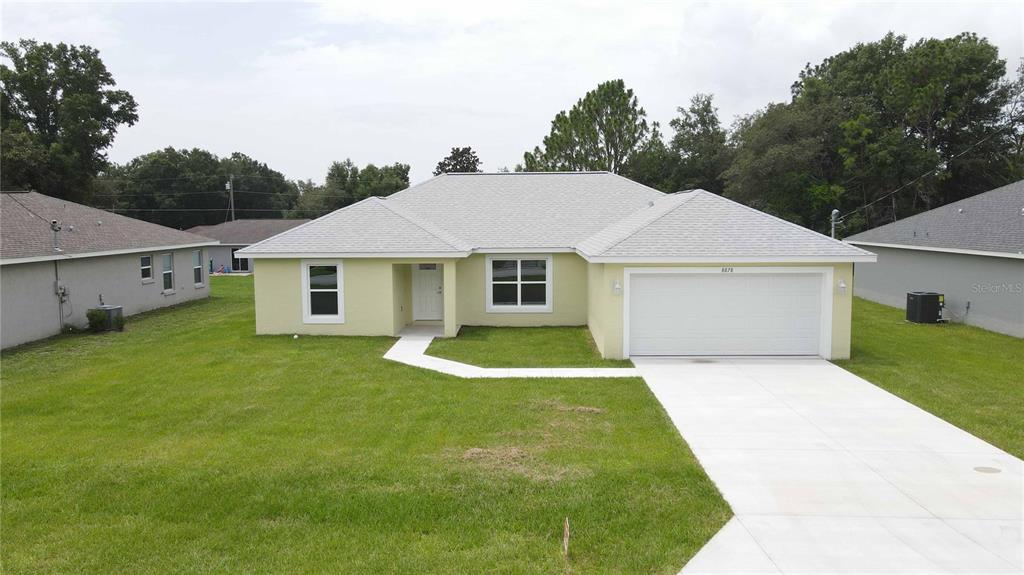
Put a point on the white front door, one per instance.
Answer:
(427, 292)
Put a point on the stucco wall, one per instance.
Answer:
(606, 306)
(569, 294)
(597, 304)
(993, 286)
(221, 256)
(30, 308)
(373, 297)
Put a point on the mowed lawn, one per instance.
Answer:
(968, 376)
(187, 444)
(523, 347)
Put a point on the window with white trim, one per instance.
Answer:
(146, 268)
(323, 293)
(519, 283)
(168, 271)
(197, 268)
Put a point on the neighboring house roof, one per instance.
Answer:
(700, 225)
(992, 222)
(25, 233)
(245, 232)
(600, 215)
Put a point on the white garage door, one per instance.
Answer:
(725, 314)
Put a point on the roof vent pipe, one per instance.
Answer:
(55, 226)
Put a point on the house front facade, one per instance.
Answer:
(59, 259)
(650, 273)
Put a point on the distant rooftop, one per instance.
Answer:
(245, 232)
(992, 221)
(25, 230)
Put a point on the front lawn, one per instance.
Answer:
(968, 376)
(523, 347)
(188, 444)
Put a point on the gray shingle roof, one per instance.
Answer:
(700, 224)
(598, 213)
(992, 221)
(25, 229)
(245, 232)
(370, 226)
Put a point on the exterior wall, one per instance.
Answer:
(569, 294)
(374, 297)
(606, 307)
(221, 256)
(993, 286)
(30, 308)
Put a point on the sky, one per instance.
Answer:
(300, 85)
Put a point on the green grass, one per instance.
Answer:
(523, 347)
(968, 376)
(187, 444)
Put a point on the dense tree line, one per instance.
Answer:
(937, 119)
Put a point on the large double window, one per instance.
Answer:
(519, 283)
(323, 299)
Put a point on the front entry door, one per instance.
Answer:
(427, 292)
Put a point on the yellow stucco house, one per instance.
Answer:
(689, 273)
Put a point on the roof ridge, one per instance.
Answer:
(642, 224)
(784, 221)
(433, 229)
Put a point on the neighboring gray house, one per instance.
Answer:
(235, 235)
(49, 279)
(972, 251)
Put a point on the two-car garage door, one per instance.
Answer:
(725, 313)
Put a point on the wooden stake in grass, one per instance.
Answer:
(565, 538)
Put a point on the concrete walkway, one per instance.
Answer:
(412, 344)
(828, 473)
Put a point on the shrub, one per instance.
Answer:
(97, 319)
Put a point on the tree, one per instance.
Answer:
(185, 188)
(603, 131)
(59, 113)
(346, 184)
(699, 146)
(876, 118)
(460, 160)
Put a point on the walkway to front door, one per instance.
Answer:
(427, 292)
(828, 473)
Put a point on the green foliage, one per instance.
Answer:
(97, 320)
(159, 186)
(346, 184)
(58, 115)
(603, 131)
(460, 160)
(700, 147)
(872, 119)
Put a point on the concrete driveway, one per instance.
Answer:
(828, 473)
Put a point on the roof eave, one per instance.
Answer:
(84, 255)
(853, 258)
(970, 252)
(349, 255)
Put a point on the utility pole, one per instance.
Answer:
(231, 195)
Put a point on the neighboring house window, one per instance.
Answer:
(238, 264)
(519, 284)
(168, 271)
(323, 293)
(197, 267)
(146, 268)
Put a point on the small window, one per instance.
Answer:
(146, 268)
(323, 300)
(168, 271)
(521, 284)
(197, 267)
(426, 267)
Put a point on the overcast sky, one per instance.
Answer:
(300, 85)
